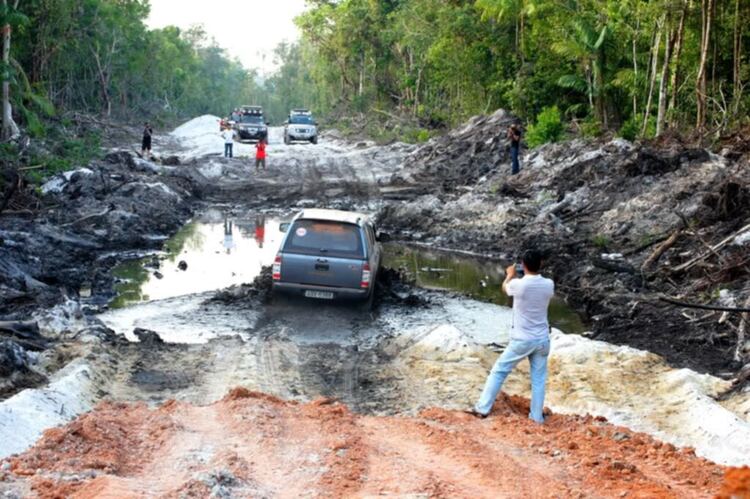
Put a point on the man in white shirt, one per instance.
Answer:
(228, 135)
(529, 335)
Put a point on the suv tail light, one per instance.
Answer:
(366, 275)
(277, 268)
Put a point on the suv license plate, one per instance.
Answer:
(323, 295)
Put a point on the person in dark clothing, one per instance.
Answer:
(514, 136)
(146, 142)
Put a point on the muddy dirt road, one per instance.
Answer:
(163, 315)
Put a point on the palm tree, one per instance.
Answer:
(588, 46)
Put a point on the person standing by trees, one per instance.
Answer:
(228, 135)
(514, 136)
(146, 142)
(260, 154)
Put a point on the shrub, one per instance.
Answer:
(591, 127)
(548, 127)
(630, 129)
(600, 241)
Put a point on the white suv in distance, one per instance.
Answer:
(300, 127)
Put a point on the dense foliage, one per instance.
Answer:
(99, 56)
(636, 66)
(648, 65)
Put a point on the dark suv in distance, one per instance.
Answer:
(327, 255)
(300, 127)
(250, 125)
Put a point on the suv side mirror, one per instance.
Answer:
(284, 227)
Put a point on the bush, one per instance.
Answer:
(631, 129)
(601, 241)
(548, 127)
(591, 127)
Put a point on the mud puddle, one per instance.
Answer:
(215, 250)
(476, 277)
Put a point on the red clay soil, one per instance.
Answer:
(250, 445)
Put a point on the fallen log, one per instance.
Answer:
(740, 353)
(25, 333)
(672, 301)
(712, 249)
(660, 250)
(613, 265)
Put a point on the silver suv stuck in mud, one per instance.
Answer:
(328, 254)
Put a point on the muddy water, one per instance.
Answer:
(219, 249)
(475, 277)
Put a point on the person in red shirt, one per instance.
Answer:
(260, 154)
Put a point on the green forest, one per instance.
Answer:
(634, 67)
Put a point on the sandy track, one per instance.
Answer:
(254, 445)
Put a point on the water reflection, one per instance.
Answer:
(219, 249)
(480, 279)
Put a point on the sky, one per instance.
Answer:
(248, 29)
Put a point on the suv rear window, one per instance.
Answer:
(319, 237)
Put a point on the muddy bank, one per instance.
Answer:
(62, 251)
(250, 444)
(622, 224)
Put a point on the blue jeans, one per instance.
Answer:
(227, 150)
(537, 352)
(514, 158)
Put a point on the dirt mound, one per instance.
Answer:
(260, 290)
(622, 224)
(462, 156)
(736, 484)
(249, 445)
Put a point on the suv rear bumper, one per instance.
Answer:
(298, 289)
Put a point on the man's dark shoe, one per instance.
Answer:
(475, 413)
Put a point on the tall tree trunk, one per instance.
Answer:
(675, 79)
(103, 82)
(635, 65)
(737, 58)
(653, 70)
(10, 129)
(700, 81)
(361, 86)
(661, 114)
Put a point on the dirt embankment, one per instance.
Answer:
(622, 224)
(250, 444)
